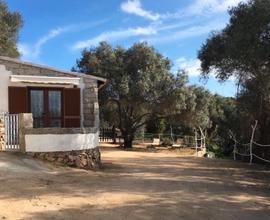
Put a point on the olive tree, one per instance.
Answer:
(10, 23)
(140, 84)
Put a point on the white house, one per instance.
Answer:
(61, 110)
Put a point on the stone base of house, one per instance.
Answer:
(2, 133)
(84, 159)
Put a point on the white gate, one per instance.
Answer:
(10, 132)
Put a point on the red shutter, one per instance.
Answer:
(17, 100)
(72, 108)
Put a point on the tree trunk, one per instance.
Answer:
(128, 139)
(114, 134)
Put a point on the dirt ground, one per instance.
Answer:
(134, 185)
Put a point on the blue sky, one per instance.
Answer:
(55, 32)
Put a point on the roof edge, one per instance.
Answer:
(15, 60)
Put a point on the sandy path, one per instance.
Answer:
(135, 185)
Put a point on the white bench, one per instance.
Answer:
(156, 142)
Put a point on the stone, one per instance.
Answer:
(78, 162)
(51, 159)
(210, 155)
(42, 155)
(71, 158)
(83, 159)
(2, 134)
(60, 159)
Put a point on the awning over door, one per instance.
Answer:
(45, 79)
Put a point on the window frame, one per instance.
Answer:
(46, 117)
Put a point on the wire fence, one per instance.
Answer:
(196, 141)
(166, 139)
(247, 149)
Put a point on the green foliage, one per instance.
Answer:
(223, 115)
(10, 23)
(242, 50)
(194, 110)
(140, 84)
(155, 125)
(166, 141)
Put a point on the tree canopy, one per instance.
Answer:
(242, 51)
(143, 92)
(242, 48)
(10, 23)
(140, 84)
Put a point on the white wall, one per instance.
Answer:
(60, 142)
(4, 82)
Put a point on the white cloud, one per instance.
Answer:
(33, 51)
(211, 6)
(190, 32)
(114, 35)
(50, 35)
(30, 52)
(190, 21)
(24, 50)
(225, 4)
(192, 66)
(135, 7)
(203, 8)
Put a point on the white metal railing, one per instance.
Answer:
(11, 127)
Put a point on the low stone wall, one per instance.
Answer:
(2, 133)
(84, 159)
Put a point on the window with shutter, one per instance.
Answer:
(17, 100)
(72, 107)
(46, 106)
(22, 100)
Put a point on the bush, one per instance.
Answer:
(217, 150)
(166, 141)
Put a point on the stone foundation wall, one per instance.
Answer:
(84, 159)
(2, 133)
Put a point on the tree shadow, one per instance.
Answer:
(146, 186)
(159, 208)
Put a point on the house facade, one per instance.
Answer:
(59, 109)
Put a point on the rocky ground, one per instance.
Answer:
(134, 185)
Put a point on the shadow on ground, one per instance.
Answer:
(139, 185)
